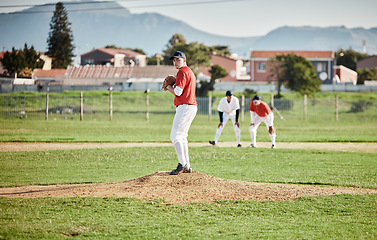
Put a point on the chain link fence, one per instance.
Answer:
(117, 107)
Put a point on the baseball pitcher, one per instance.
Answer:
(186, 108)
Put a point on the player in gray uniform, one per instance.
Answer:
(229, 108)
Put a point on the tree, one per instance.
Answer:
(156, 59)
(297, 73)
(349, 58)
(278, 71)
(113, 46)
(220, 50)
(60, 47)
(22, 62)
(366, 74)
(198, 54)
(138, 50)
(216, 73)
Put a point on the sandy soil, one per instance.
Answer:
(186, 187)
(182, 189)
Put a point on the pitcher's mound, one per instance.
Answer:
(183, 188)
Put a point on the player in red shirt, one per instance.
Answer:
(186, 108)
(261, 112)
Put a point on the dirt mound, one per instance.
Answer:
(181, 189)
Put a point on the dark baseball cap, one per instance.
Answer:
(256, 97)
(228, 93)
(178, 54)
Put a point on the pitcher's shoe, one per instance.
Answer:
(178, 170)
(187, 169)
(239, 145)
(252, 146)
(273, 146)
(212, 143)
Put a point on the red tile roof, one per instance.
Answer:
(39, 73)
(305, 54)
(153, 71)
(103, 71)
(98, 71)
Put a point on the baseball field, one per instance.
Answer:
(109, 180)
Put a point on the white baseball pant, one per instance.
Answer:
(268, 120)
(220, 129)
(183, 118)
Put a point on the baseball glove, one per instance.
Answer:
(169, 80)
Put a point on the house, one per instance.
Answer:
(260, 66)
(235, 68)
(344, 75)
(51, 76)
(47, 62)
(369, 62)
(111, 75)
(113, 57)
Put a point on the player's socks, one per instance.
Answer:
(238, 140)
(273, 137)
(180, 153)
(186, 155)
(218, 133)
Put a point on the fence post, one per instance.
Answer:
(274, 108)
(336, 107)
(46, 116)
(147, 103)
(272, 100)
(209, 106)
(81, 106)
(305, 106)
(243, 107)
(111, 103)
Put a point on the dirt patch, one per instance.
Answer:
(182, 189)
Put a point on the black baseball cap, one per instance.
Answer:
(228, 93)
(256, 97)
(178, 54)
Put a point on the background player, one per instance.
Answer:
(186, 108)
(261, 112)
(229, 108)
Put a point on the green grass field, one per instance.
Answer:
(335, 217)
(136, 129)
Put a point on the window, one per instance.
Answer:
(321, 67)
(89, 61)
(261, 67)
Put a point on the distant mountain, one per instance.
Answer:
(151, 32)
(316, 38)
(94, 29)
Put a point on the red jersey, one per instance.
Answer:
(186, 80)
(262, 110)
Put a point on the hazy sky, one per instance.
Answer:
(248, 17)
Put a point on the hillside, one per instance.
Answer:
(151, 32)
(316, 38)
